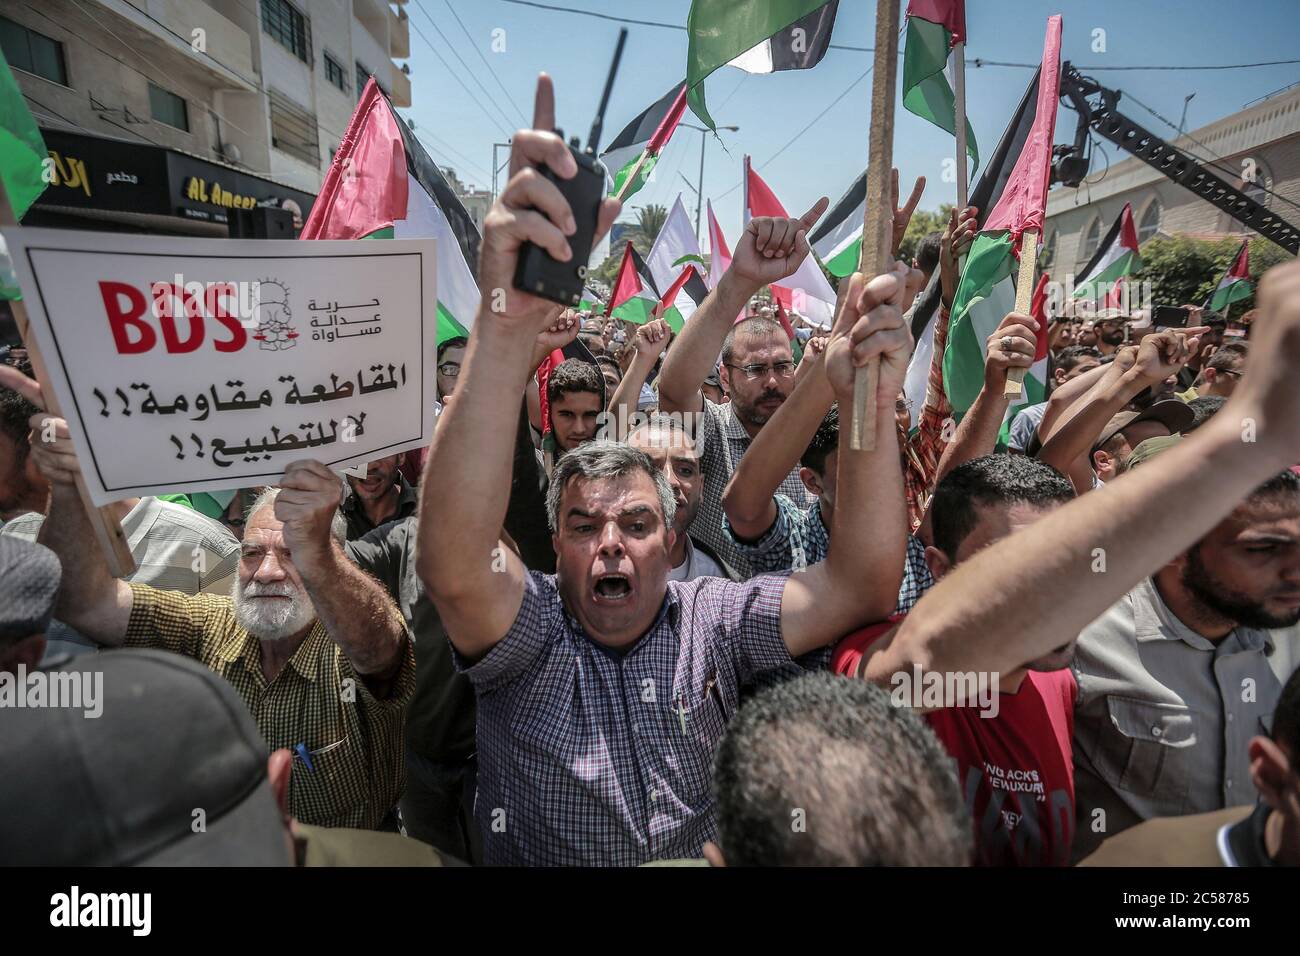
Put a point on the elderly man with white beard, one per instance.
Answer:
(314, 646)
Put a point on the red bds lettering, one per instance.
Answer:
(124, 317)
(165, 295)
(218, 300)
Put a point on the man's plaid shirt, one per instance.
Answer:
(588, 756)
(722, 441)
(800, 537)
(317, 699)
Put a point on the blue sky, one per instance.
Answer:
(769, 110)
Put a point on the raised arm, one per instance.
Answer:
(1158, 357)
(1010, 346)
(358, 614)
(1033, 591)
(859, 580)
(650, 341)
(776, 449)
(476, 582)
(770, 250)
(90, 600)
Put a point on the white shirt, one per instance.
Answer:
(696, 564)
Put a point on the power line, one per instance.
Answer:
(447, 148)
(866, 49)
(1213, 159)
(830, 106)
(491, 72)
(454, 75)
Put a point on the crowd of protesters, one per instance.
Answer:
(642, 606)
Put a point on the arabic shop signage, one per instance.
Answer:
(209, 192)
(89, 172)
(198, 190)
(193, 364)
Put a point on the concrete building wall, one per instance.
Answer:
(1264, 138)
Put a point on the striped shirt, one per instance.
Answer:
(799, 538)
(589, 756)
(354, 741)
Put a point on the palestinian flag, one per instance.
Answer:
(933, 26)
(1016, 201)
(590, 302)
(837, 240)
(645, 137)
(22, 159)
(383, 185)
(757, 36)
(816, 299)
(634, 297)
(1235, 284)
(719, 254)
(673, 248)
(1115, 258)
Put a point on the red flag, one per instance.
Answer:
(950, 13)
(366, 186)
(666, 126)
(1038, 311)
(669, 297)
(628, 282)
(1024, 199)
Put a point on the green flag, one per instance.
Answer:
(746, 31)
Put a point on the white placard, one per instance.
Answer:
(200, 364)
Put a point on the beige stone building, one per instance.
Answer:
(265, 87)
(1258, 150)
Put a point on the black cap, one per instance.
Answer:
(157, 764)
(29, 585)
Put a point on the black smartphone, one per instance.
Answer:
(1170, 317)
(540, 273)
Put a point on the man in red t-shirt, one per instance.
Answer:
(1014, 759)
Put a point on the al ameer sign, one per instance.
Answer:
(197, 190)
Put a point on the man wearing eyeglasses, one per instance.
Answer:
(757, 370)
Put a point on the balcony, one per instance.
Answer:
(399, 35)
(401, 94)
(226, 49)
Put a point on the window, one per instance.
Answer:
(293, 129)
(32, 52)
(1091, 238)
(363, 74)
(284, 24)
(1149, 224)
(335, 73)
(167, 107)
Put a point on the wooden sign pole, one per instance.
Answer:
(877, 228)
(108, 531)
(1024, 297)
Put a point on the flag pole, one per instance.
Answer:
(959, 77)
(1024, 296)
(631, 177)
(877, 227)
(108, 530)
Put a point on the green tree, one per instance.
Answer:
(649, 220)
(923, 222)
(1182, 269)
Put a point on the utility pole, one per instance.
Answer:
(699, 192)
(495, 168)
